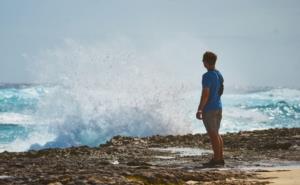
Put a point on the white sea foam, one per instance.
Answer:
(15, 118)
(237, 119)
(22, 144)
(101, 92)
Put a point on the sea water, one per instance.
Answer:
(28, 120)
(87, 95)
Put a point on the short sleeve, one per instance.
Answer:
(206, 82)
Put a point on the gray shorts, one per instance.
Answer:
(212, 120)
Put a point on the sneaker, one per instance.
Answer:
(213, 163)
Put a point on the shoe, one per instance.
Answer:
(214, 163)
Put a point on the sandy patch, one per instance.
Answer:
(282, 177)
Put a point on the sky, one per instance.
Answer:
(257, 41)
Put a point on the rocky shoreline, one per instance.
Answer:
(155, 160)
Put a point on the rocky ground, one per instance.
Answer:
(150, 160)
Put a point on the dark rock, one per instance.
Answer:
(138, 164)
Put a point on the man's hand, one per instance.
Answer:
(203, 101)
(199, 115)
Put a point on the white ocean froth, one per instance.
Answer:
(100, 93)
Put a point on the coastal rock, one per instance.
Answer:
(138, 163)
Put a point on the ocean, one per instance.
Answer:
(36, 116)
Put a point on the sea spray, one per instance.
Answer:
(101, 92)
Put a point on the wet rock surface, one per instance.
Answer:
(133, 160)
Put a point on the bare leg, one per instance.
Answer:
(221, 149)
(216, 142)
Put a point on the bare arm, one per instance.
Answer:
(203, 101)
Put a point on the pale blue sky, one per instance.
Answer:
(257, 41)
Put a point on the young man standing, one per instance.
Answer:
(210, 107)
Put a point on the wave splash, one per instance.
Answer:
(100, 92)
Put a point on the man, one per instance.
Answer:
(210, 107)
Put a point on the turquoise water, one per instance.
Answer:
(10, 132)
(40, 116)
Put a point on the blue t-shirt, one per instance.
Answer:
(212, 79)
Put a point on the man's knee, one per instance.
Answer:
(213, 133)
